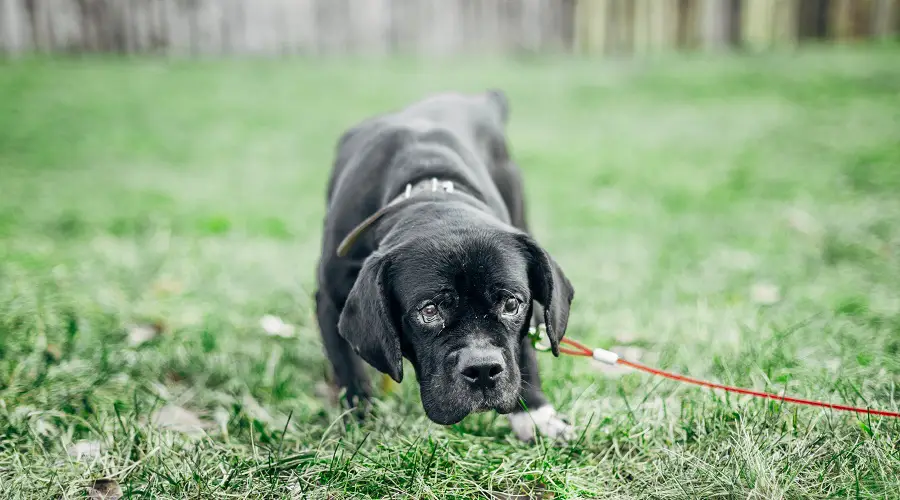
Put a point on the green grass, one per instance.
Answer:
(192, 194)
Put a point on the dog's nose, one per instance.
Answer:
(481, 368)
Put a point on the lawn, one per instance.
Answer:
(735, 218)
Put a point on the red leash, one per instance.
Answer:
(612, 358)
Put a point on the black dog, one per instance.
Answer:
(426, 255)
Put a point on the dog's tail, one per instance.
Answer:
(498, 99)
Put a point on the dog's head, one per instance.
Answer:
(457, 304)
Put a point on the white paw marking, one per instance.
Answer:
(545, 420)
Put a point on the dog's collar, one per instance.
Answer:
(432, 185)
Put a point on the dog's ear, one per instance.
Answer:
(498, 100)
(366, 322)
(551, 289)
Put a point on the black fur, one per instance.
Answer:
(466, 252)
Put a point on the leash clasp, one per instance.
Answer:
(538, 337)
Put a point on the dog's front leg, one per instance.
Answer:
(347, 367)
(538, 412)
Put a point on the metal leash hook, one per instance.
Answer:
(538, 337)
(541, 343)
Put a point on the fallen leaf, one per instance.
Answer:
(625, 337)
(327, 392)
(255, 410)
(387, 384)
(105, 489)
(765, 294)
(84, 449)
(167, 286)
(176, 418)
(222, 417)
(53, 353)
(43, 426)
(141, 333)
(273, 325)
(801, 221)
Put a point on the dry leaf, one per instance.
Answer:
(44, 427)
(53, 353)
(327, 392)
(255, 410)
(84, 450)
(626, 337)
(176, 418)
(387, 384)
(167, 286)
(765, 294)
(105, 489)
(141, 333)
(222, 417)
(801, 221)
(273, 325)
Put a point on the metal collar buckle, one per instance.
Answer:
(446, 186)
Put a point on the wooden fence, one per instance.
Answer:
(431, 27)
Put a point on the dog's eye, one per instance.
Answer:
(429, 313)
(511, 306)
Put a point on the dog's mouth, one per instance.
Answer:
(502, 408)
(450, 407)
(454, 414)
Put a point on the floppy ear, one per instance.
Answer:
(550, 288)
(366, 322)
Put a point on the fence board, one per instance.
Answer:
(593, 16)
(862, 18)
(620, 25)
(715, 19)
(40, 12)
(784, 22)
(757, 27)
(371, 25)
(883, 18)
(402, 27)
(812, 19)
(689, 24)
(431, 27)
(532, 29)
(444, 20)
(15, 35)
(840, 19)
(63, 26)
(641, 27)
(207, 27)
(178, 36)
(664, 20)
(566, 23)
(511, 20)
(492, 28)
(139, 13)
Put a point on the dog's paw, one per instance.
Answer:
(357, 405)
(545, 420)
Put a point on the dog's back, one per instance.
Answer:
(473, 122)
